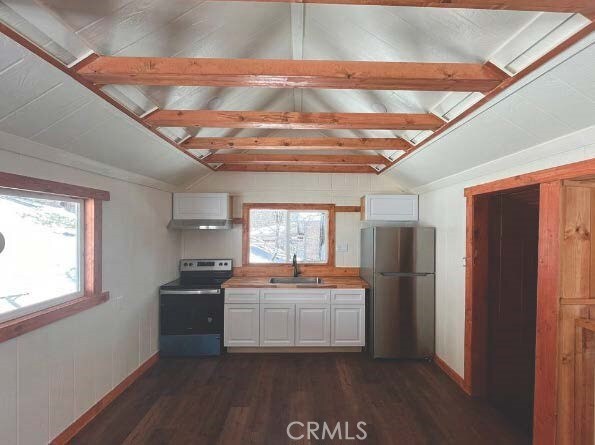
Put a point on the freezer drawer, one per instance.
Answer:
(402, 311)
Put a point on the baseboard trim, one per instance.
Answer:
(454, 376)
(66, 436)
(293, 350)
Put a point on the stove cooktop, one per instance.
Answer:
(201, 274)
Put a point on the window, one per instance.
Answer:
(50, 252)
(41, 261)
(276, 232)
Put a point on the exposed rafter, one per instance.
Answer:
(297, 168)
(293, 120)
(293, 74)
(585, 7)
(249, 158)
(340, 144)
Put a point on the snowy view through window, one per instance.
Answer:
(275, 235)
(40, 261)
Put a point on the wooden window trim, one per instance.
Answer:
(330, 208)
(92, 286)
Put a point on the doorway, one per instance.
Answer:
(513, 234)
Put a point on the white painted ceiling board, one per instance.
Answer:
(42, 103)
(542, 110)
(64, 132)
(191, 28)
(562, 101)
(45, 110)
(580, 74)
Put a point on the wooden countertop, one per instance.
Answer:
(327, 283)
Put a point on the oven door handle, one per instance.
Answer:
(190, 292)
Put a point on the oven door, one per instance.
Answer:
(191, 312)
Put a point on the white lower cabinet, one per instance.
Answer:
(312, 325)
(294, 317)
(241, 325)
(277, 325)
(347, 325)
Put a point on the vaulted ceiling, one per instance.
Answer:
(56, 106)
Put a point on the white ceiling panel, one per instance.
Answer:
(43, 104)
(561, 100)
(544, 109)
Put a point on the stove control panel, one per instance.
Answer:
(201, 265)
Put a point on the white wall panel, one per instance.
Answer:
(61, 339)
(8, 392)
(33, 388)
(67, 366)
(340, 189)
(443, 205)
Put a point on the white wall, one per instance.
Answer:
(336, 188)
(442, 204)
(50, 376)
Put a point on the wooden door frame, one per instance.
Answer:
(548, 288)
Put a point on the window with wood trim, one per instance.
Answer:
(274, 233)
(41, 263)
(50, 252)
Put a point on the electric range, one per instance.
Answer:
(191, 308)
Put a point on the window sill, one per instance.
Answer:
(27, 323)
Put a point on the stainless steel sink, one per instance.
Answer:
(295, 280)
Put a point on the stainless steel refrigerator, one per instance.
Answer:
(398, 263)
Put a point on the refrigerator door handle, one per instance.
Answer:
(404, 274)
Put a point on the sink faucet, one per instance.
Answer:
(295, 266)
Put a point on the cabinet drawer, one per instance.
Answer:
(295, 296)
(241, 295)
(348, 296)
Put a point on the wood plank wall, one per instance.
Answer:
(578, 301)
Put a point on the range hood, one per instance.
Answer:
(200, 224)
(201, 211)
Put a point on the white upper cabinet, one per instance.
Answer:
(390, 207)
(201, 206)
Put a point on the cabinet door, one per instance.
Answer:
(312, 325)
(347, 325)
(391, 207)
(277, 324)
(201, 206)
(241, 325)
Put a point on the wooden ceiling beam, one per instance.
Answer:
(271, 73)
(248, 158)
(292, 120)
(297, 168)
(586, 7)
(339, 144)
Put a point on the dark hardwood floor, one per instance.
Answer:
(250, 399)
